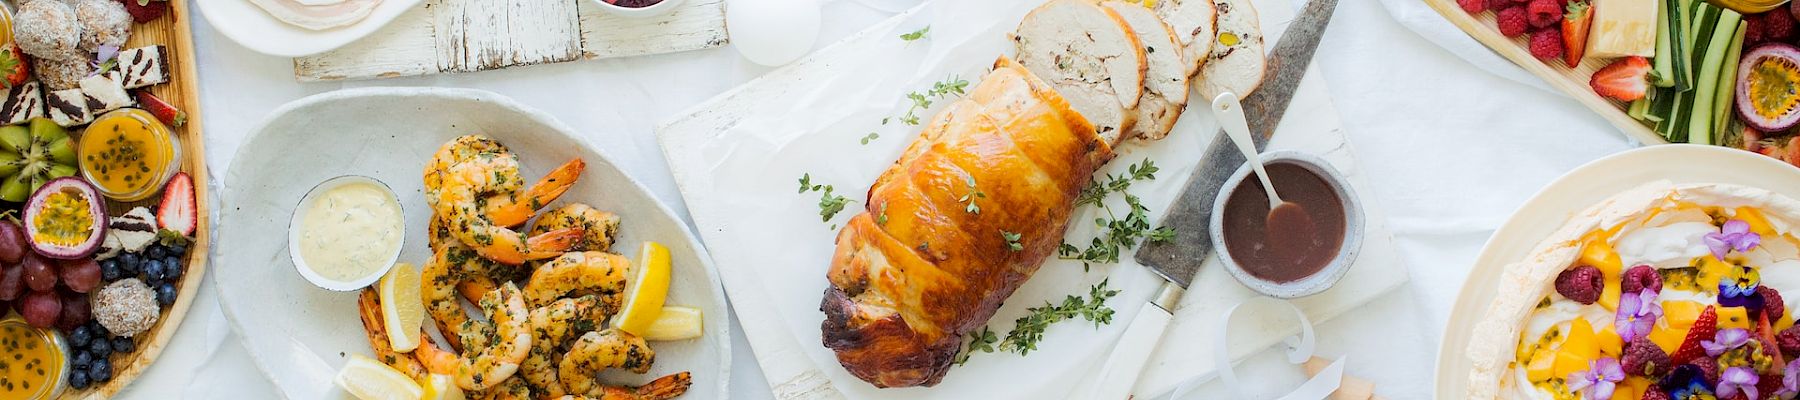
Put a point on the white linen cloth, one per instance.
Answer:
(1451, 145)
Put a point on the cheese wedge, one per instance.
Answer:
(1623, 28)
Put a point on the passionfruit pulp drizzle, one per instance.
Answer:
(1772, 87)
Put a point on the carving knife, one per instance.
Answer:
(1177, 260)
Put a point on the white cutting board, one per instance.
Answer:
(737, 157)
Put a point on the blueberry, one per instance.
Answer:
(79, 378)
(153, 269)
(130, 262)
(178, 250)
(123, 345)
(80, 336)
(155, 252)
(101, 348)
(172, 268)
(109, 270)
(165, 294)
(83, 359)
(101, 371)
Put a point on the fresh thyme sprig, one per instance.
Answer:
(1027, 331)
(940, 90)
(916, 35)
(1117, 233)
(870, 137)
(829, 204)
(1012, 240)
(969, 199)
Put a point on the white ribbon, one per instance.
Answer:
(1300, 349)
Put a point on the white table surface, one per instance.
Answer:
(1450, 149)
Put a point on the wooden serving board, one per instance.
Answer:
(182, 91)
(450, 36)
(1571, 81)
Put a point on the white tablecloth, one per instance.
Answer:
(1451, 148)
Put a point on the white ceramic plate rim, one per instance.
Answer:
(250, 26)
(687, 235)
(1550, 207)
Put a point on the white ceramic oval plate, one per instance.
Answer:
(1568, 195)
(250, 26)
(300, 334)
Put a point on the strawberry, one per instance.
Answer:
(144, 11)
(1766, 335)
(162, 109)
(1704, 328)
(1575, 31)
(1544, 13)
(176, 213)
(14, 66)
(1793, 151)
(1625, 79)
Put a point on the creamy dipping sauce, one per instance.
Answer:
(351, 231)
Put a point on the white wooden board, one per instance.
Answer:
(772, 255)
(450, 36)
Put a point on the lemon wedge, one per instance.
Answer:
(441, 387)
(368, 379)
(402, 308)
(649, 287)
(675, 323)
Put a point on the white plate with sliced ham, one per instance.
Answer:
(296, 28)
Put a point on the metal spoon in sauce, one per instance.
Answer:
(1288, 229)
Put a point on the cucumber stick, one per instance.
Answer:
(1700, 121)
(1706, 21)
(1694, 11)
(1671, 29)
(1727, 89)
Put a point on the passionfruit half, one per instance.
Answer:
(65, 219)
(1768, 79)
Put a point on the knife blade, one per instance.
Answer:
(1178, 259)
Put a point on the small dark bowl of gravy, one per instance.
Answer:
(1288, 261)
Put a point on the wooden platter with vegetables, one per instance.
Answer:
(102, 184)
(1718, 72)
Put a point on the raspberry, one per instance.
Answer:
(1473, 6)
(1511, 21)
(1640, 277)
(1581, 284)
(1773, 26)
(1789, 342)
(1546, 44)
(1709, 368)
(1644, 358)
(1654, 394)
(1772, 305)
(1543, 13)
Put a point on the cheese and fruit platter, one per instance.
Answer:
(104, 238)
(1715, 72)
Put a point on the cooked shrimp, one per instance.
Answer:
(460, 179)
(552, 325)
(589, 272)
(515, 209)
(488, 365)
(600, 228)
(663, 388)
(438, 279)
(513, 388)
(369, 305)
(596, 351)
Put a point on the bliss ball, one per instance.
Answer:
(47, 30)
(103, 23)
(126, 308)
(61, 74)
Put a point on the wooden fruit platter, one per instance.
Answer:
(181, 90)
(1571, 81)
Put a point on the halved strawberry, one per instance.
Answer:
(162, 109)
(15, 68)
(1766, 335)
(1704, 328)
(144, 11)
(177, 211)
(1575, 31)
(1625, 79)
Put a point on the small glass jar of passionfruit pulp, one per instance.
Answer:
(128, 154)
(33, 362)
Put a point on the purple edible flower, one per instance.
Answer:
(1599, 381)
(1790, 381)
(1637, 314)
(1735, 235)
(1736, 379)
(1725, 340)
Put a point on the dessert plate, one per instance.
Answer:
(299, 334)
(1573, 192)
(250, 26)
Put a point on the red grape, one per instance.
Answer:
(12, 242)
(38, 274)
(12, 282)
(42, 309)
(75, 311)
(81, 275)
